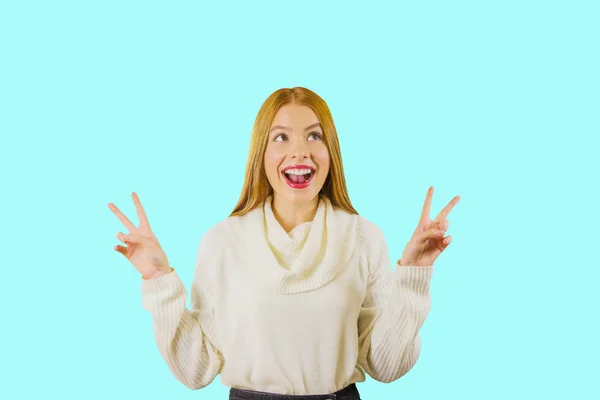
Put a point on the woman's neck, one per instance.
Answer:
(290, 215)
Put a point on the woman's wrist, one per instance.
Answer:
(158, 273)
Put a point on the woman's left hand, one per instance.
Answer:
(428, 240)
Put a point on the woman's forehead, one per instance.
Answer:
(294, 116)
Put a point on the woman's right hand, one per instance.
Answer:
(143, 249)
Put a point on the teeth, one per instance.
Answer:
(298, 171)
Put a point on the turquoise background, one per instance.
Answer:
(495, 101)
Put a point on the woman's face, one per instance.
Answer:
(296, 157)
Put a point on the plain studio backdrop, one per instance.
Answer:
(497, 102)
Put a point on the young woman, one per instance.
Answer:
(293, 295)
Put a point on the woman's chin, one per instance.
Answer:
(298, 195)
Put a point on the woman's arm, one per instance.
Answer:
(394, 309)
(181, 334)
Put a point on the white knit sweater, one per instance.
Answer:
(304, 312)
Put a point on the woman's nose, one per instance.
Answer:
(303, 155)
(300, 151)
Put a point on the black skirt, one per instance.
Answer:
(348, 393)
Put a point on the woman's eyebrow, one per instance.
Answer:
(287, 129)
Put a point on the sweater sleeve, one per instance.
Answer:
(395, 307)
(182, 335)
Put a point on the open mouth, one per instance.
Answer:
(299, 176)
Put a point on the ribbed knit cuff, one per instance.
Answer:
(159, 291)
(412, 293)
(416, 277)
(403, 315)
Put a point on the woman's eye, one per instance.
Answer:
(283, 137)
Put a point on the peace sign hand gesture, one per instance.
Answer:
(428, 240)
(143, 249)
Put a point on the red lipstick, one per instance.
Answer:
(304, 182)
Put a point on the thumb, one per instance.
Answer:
(431, 234)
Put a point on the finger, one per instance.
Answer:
(121, 249)
(427, 206)
(125, 238)
(431, 234)
(443, 244)
(121, 217)
(441, 225)
(140, 209)
(447, 241)
(448, 208)
(135, 239)
(444, 224)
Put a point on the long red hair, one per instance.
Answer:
(256, 187)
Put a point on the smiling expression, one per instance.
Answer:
(296, 157)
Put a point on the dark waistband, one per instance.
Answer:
(350, 392)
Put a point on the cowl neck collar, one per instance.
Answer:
(306, 258)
